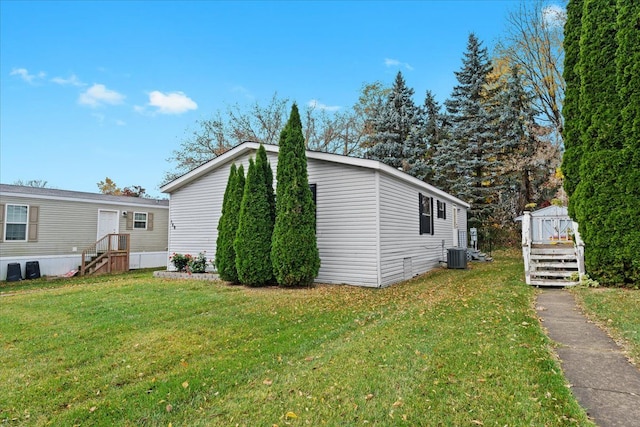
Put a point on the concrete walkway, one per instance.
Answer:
(602, 379)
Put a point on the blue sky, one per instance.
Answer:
(96, 89)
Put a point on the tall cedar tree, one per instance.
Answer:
(628, 81)
(264, 167)
(594, 201)
(472, 145)
(294, 250)
(605, 201)
(228, 225)
(255, 229)
(398, 138)
(571, 105)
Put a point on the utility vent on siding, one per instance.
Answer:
(407, 268)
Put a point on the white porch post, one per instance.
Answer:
(526, 244)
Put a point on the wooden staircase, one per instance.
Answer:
(553, 265)
(108, 255)
(556, 260)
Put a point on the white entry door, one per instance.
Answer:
(107, 223)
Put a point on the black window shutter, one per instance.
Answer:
(431, 216)
(420, 213)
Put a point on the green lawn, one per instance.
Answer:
(618, 311)
(453, 347)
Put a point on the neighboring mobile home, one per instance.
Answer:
(375, 225)
(53, 227)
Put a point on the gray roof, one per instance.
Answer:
(52, 193)
(250, 146)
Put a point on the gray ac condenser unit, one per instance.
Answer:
(457, 258)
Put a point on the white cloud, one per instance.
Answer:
(121, 122)
(554, 15)
(98, 95)
(395, 63)
(170, 103)
(23, 73)
(320, 106)
(73, 80)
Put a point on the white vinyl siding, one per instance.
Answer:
(345, 218)
(346, 223)
(401, 244)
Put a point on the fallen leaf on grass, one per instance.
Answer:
(397, 403)
(185, 384)
(291, 415)
(169, 408)
(92, 409)
(267, 382)
(369, 396)
(477, 422)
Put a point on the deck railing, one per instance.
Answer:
(107, 255)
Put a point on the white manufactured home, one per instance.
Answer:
(53, 227)
(375, 225)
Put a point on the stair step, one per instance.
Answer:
(573, 265)
(553, 251)
(547, 273)
(553, 283)
(552, 257)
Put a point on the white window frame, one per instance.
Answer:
(7, 223)
(146, 220)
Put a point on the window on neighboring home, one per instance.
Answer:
(140, 220)
(442, 210)
(16, 224)
(426, 214)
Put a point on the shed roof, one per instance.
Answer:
(78, 196)
(247, 147)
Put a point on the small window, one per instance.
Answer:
(140, 220)
(442, 210)
(16, 224)
(426, 214)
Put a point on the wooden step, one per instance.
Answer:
(553, 283)
(569, 265)
(553, 251)
(548, 273)
(553, 257)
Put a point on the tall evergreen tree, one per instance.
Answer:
(432, 133)
(570, 108)
(255, 228)
(294, 250)
(605, 172)
(225, 258)
(264, 167)
(470, 152)
(398, 138)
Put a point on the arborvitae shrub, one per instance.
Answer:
(255, 228)
(228, 225)
(294, 251)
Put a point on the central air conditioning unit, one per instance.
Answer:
(457, 258)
